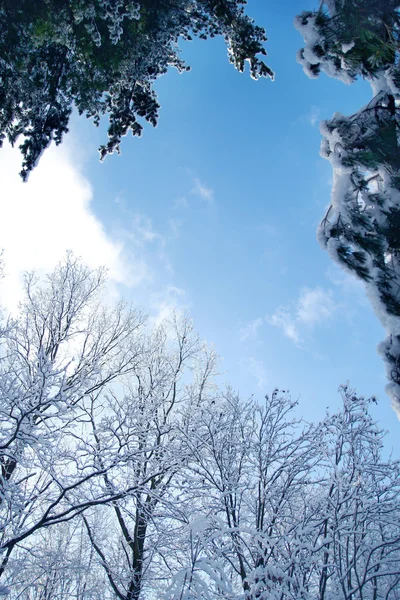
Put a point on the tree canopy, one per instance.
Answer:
(126, 471)
(361, 229)
(350, 38)
(102, 57)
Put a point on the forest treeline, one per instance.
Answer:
(128, 472)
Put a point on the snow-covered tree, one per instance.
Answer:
(352, 532)
(126, 473)
(149, 422)
(95, 411)
(103, 56)
(57, 563)
(346, 39)
(284, 511)
(63, 346)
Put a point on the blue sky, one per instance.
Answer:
(215, 212)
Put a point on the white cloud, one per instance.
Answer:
(314, 115)
(41, 219)
(284, 320)
(51, 213)
(204, 192)
(166, 303)
(256, 369)
(180, 202)
(143, 231)
(175, 226)
(313, 307)
(147, 247)
(250, 331)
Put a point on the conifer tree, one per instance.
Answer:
(103, 57)
(347, 39)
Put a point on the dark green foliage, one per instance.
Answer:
(391, 230)
(354, 261)
(360, 37)
(367, 226)
(346, 39)
(103, 57)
